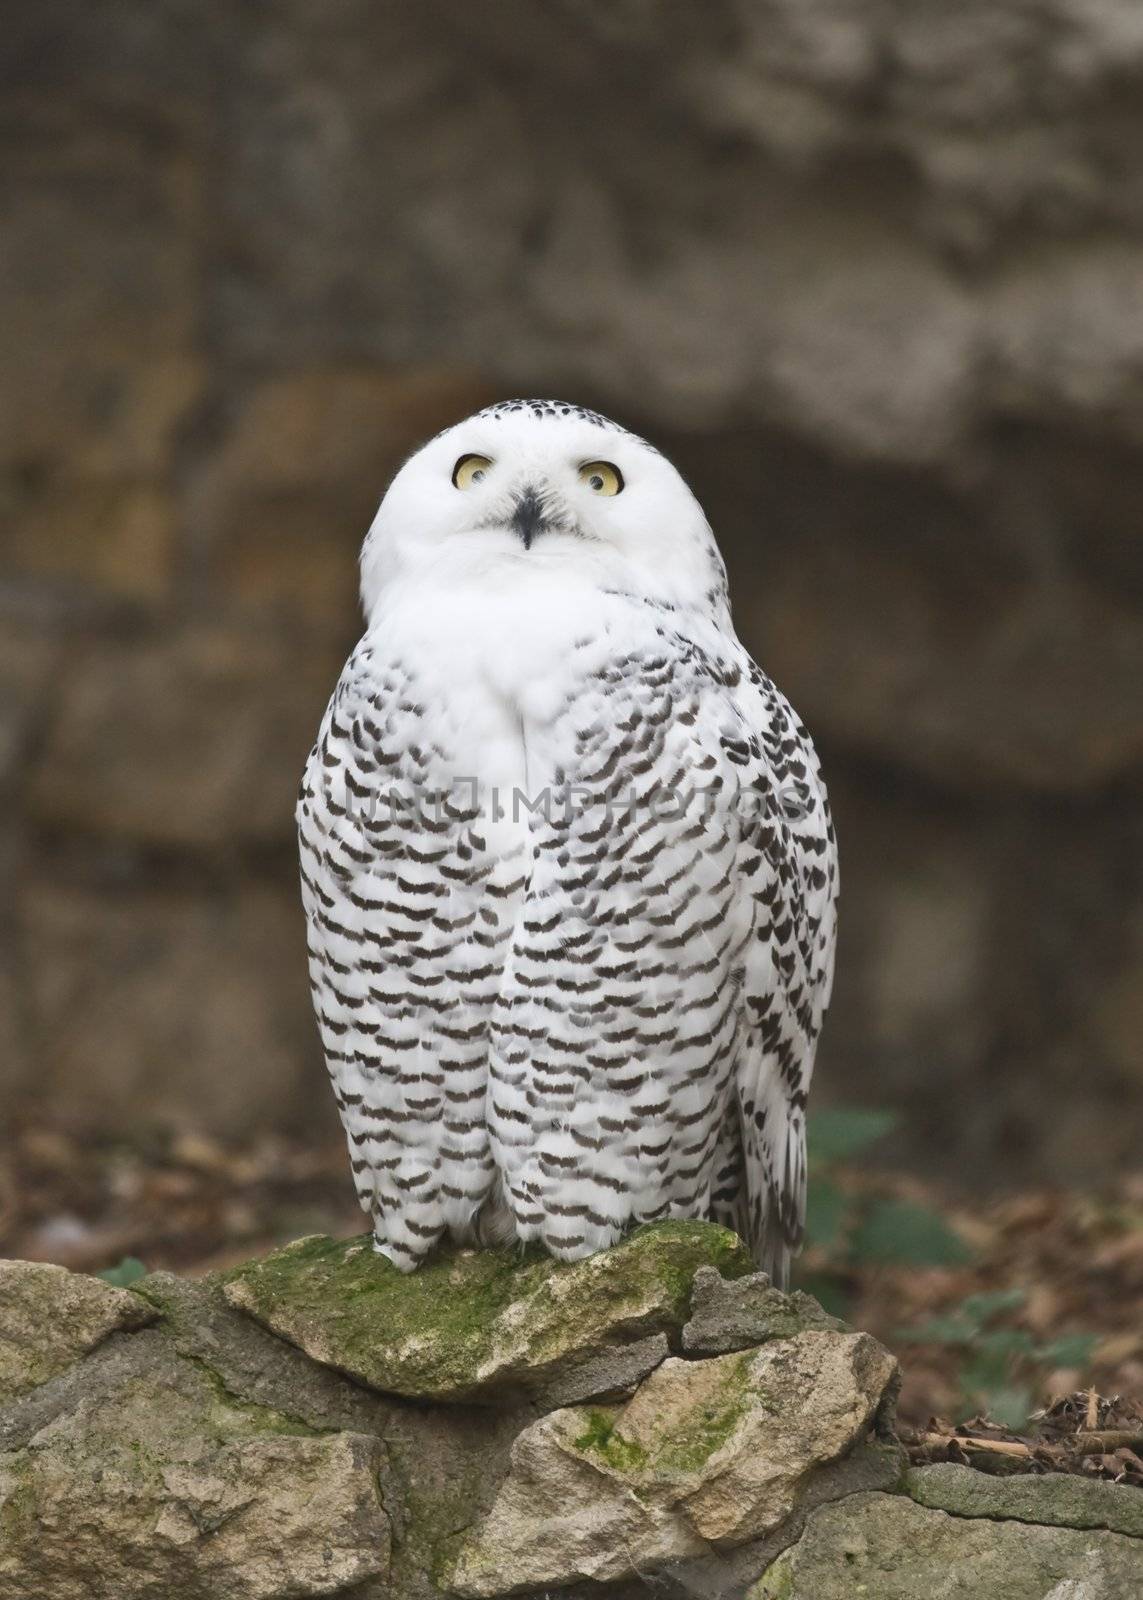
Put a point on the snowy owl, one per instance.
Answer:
(567, 861)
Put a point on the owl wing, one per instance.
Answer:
(788, 866)
(652, 1043)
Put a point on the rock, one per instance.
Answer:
(1059, 1499)
(438, 1468)
(297, 478)
(29, 659)
(889, 1548)
(188, 736)
(732, 1315)
(97, 388)
(250, 1363)
(949, 685)
(156, 1481)
(716, 1574)
(612, 1374)
(114, 538)
(469, 1323)
(50, 1318)
(154, 1003)
(203, 1456)
(931, 901)
(973, 262)
(707, 1453)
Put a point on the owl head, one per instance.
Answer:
(537, 491)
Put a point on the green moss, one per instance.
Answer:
(787, 1315)
(600, 1427)
(603, 1439)
(676, 1250)
(430, 1519)
(229, 1417)
(214, 1412)
(776, 1583)
(691, 1438)
(468, 1318)
(364, 1297)
(18, 1506)
(241, 1418)
(711, 1423)
(230, 1414)
(149, 1289)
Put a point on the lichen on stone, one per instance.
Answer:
(713, 1420)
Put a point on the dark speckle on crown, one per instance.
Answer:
(559, 409)
(550, 408)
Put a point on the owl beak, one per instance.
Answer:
(529, 517)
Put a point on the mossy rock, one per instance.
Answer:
(749, 1311)
(469, 1324)
(886, 1547)
(137, 1475)
(1057, 1499)
(708, 1455)
(50, 1318)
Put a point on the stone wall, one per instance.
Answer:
(870, 272)
(654, 1421)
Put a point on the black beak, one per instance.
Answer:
(528, 518)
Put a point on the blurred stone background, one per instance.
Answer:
(871, 272)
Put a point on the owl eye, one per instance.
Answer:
(469, 471)
(601, 477)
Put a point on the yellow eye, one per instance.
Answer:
(601, 477)
(470, 470)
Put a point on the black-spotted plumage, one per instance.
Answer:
(567, 863)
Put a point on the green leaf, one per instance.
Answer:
(899, 1232)
(980, 1307)
(840, 1132)
(1008, 1404)
(1069, 1350)
(827, 1208)
(828, 1293)
(952, 1329)
(984, 1371)
(1004, 1343)
(965, 1323)
(128, 1271)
